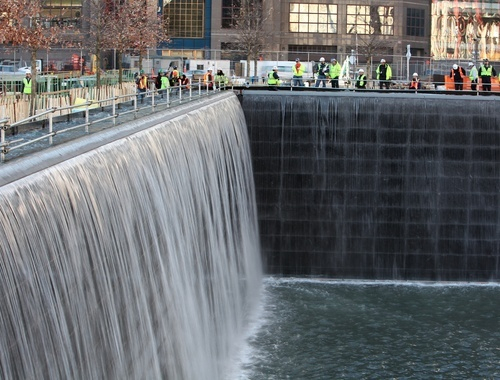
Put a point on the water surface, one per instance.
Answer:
(313, 329)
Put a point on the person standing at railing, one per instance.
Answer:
(473, 75)
(384, 74)
(458, 74)
(221, 79)
(26, 86)
(273, 79)
(321, 73)
(142, 85)
(415, 83)
(208, 80)
(184, 81)
(334, 73)
(298, 72)
(361, 79)
(164, 83)
(486, 72)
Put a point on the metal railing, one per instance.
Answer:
(151, 99)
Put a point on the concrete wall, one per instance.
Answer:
(386, 186)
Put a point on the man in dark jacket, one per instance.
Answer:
(458, 74)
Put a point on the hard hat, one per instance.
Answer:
(485, 60)
(175, 67)
(415, 74)
(361, 71)
(322, 59)
(275, 67)
(141, 72)
(471, 63)
(382, 60)
(297, 59)
(333, 60)
(455, 66)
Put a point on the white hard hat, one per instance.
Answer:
(382, 60)
(415, 74)
(455, 66)
(471, 63)
(275, 67)
(322, 59)
(361, 71)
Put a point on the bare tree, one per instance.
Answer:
(95, 43)
(148, 28)
(22, 26)
(251, 36)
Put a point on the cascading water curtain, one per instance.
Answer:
(137, 260)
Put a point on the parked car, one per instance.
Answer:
(195, 75)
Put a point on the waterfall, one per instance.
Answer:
(135, 260)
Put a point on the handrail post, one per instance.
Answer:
(114, 106)
(51, 125)
(199, 88)
(152, 90)
(87, 115)
(135, 105)
(168, 96)
(2, 142)
(180, 92)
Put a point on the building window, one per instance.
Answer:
(313, 18)
(184, 18)
(61, 12)
(230, 13)
(370, 19)
(415, 22)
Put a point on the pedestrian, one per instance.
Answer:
(486, 71)
(473, 75)
(158, 80)
(165, 84)
(384, 74)
(321, 73)
(184, 81)
(415, 83)
(221, 79)
(458, 74)
(361, 79)
(27, 82)
(208, 80)
(298, 72)
(174, 77)
(334, 73)
(273, 79)
(142, 85)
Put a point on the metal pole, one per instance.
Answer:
(51, 126)
(114, 107)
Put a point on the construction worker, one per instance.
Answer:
(334, 73)
(415, 83)
(486, 72)
(26, 87)
(164, 83)
(458, 74)
(221, 79)
(361, 79)
(298, 71)
(208, 80)
(384, 74)
(473, 76)
(273, 79)
(321, 73)
(142, 85)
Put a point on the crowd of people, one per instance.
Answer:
(324, 73)
(172, 81)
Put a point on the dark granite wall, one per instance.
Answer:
(377, 186)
